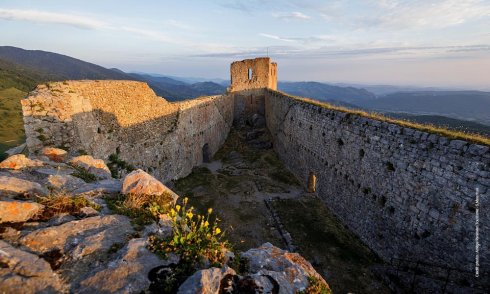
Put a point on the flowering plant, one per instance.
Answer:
(195, 239)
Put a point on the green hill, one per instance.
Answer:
(11, 124)
(56, 67)
(17, 76)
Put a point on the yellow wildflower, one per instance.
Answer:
(177, 207)
(210, 210)
(217, 231)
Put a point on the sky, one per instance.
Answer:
(443, 43)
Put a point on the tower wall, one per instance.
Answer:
(253, 74)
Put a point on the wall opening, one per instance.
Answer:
(206, 156)
(311, 187)
(250, 73)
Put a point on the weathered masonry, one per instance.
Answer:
(406, 193)
(127, 118)
(253, 74)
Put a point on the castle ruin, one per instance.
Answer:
(405, 192)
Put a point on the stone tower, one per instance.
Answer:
(253, 74)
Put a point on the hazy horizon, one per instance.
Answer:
(442, 44)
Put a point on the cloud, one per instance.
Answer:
(150, 34)
(431, 14)
(50, 17)
(276, 37)
(401, 15)
(82, 22)
(295, 15)
(401, 52)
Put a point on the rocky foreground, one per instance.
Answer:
(60, 233)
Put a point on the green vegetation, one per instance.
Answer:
(142, 209)
(116, 164)
(63, 203)
(16, 76)
(321, 237)
(139, 216)
(197, 240)
(316, 286)
(11, 123)
(84, 174)
(194, 237)
(452, 134)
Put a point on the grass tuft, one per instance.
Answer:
(84, 174)
(142, 209)
(63, 203)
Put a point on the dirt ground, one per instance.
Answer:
(244, 173)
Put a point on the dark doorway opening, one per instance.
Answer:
(206, 156)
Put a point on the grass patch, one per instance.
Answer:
(116, 164)
(321, 237)
(429, 128)
(139, 216)
(84, 174)
(11, 122)
(63, 203)
(316, 286)
(200, 176)
(142, 209)
(284, 176)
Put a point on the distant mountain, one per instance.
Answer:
(24, 69)
(381, 90)
(17, 76)
(190, 80)
(467, 105)
(53, 66)
(209, 88)
(325, 92)
(443, 121)
(175, 90)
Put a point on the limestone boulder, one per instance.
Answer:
(94, 166)
(12, 186)
(18, 211)
(24, 272)
(207, 281)
(139, 182)
(288, 271)
(54, 154)
(77, 239)
(20, 161)
(128, 273)
(64, 182)
(109, 186)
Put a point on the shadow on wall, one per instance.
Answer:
(167, 146)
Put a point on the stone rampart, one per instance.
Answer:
(404, 192)
(128, 119)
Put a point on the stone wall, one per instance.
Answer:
(405, 193)
(128, 119)
(253, 74)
